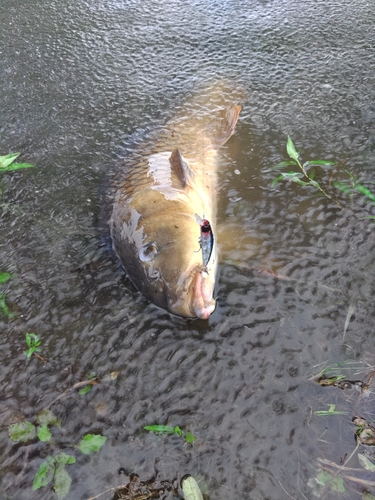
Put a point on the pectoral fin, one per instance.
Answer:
(180, 168)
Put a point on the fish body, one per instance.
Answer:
(167, 180)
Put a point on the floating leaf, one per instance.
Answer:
(46, 417)
(286, 163)
(342, 187)
(62, 482)
(336, 483)
(330, 411)
(318, 162)
(189, 437)
(4, 307)
(291, 150)
(290, 176)
(163, 429)
(16, 166)
(22, 431)
(4, 277)
(191, 489)
(91, 443)
(367, 496)
(85, 389)
(365, 191)
(44, 474)
(63, 458)
(43, 433)
(8, 159)
(366, 463)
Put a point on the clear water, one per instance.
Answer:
(77, 79)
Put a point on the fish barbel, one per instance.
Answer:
(162, 190)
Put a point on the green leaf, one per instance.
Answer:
(286, 163)
(62, 482)
(5, 308)
(363, 190)
(85, 389)
(367, 496)
(44, 474)
(8, 159)
(22, 431)
(32, 340)
(336, 483)
(4, 277)
(178, 431)
(318, 162)
(342, 187)
(163, 429)
(330, 411)
(63, 459)
(91, 443)
(44, 433)
(366, 463)
(191, 489)
(46, 417)
(290, 176)
(16, 166)
(291, 150)
(189, 437)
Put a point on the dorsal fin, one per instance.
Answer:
(180, 168)
(228, 120)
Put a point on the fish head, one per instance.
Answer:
(171, 271)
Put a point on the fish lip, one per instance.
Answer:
(203, 303)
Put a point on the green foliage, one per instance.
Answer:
(46, 417)
(7, 163)
(91, 443)
(166, 429)
(45, 473)
(43, 433)
(4, 307)
(4, 277)
(22, 431)
(53, 468)
(330, 411)
(88, 387)
(305, 178)
(304, 174)
(335, 483)
(33, 343)
(366, 463)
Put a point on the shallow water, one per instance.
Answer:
(78, 79)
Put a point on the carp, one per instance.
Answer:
(163, 212)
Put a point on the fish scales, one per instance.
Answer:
(167, 180)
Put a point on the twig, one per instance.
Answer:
(93, 381)
(40, 357)
(333, 464)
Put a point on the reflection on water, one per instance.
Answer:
(78, 79)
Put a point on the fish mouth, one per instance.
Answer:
(203, 303)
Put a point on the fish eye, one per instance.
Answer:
(147, 252)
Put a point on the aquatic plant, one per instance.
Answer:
(305, 178)
(7, 163)
(33, 343)
(4, 277)
(53, 467)
(304, 174)
(166, 429)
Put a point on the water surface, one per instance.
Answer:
(78, 79)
